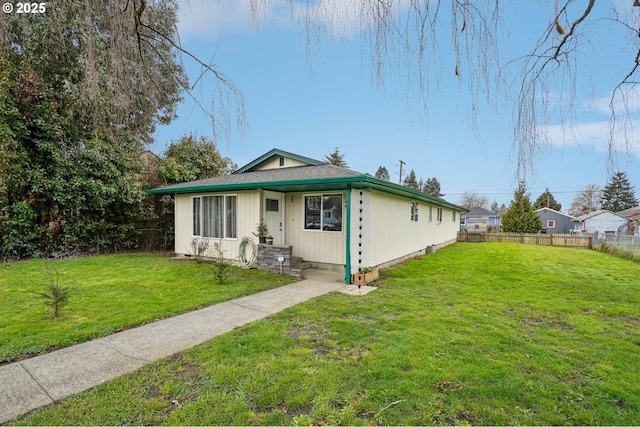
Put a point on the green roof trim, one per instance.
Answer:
(279, 153)
(315, 184)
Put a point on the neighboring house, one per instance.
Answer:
(331, 216)
(633, 215)
(601, 221)
(480, 220)
(554, 222)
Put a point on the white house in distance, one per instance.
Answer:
(601, 222)
(332, 217)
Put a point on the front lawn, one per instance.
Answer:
(483, 334)
(110, 293)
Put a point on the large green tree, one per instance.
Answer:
(432, 187)
(546, 200)
(80, 95)
(411, 181)
(619, 194)
(520, 216)
(191, 158)
(383, 174)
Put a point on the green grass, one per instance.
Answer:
(110, 293)
(475, 334)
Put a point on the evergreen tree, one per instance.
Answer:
(411, 180)
(432, 187)
(494, 206)
(618, 195)
(520, 216)
(383, 174)
(336, 159)
(546, 200)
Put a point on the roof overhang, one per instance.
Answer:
(324, 184)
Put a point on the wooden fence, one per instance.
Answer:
(568, 240)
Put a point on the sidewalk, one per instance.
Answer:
(42, 380)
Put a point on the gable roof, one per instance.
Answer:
(323, 177)
(555, 211)
(594, 214)
(630, 212)
(279, 153)
(478, 211)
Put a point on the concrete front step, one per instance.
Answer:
(299, 264)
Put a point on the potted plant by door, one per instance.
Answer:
(261, 232)
(269, 239)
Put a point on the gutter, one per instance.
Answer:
(315, 184)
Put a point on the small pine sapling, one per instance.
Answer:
(54, 294)
(220, 267)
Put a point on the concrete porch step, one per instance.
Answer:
(299, 264)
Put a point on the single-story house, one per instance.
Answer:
(480, 220)
(601, 221)
(554, 222)
(330, 216)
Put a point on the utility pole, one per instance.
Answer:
(400, 180)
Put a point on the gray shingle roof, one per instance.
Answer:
(297, 173)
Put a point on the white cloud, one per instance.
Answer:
(342, 18)
(596, 135)
(624, 102)
(210, 19)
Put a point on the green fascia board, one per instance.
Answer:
(280, 153)
(323, 184)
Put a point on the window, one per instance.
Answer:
(439, 215)
(214, 216)
(430, 213)
(196, 216)
(454, 216)
(414, 212)
(323, 212)
(551, 223)
(272, 205)
(281, 161)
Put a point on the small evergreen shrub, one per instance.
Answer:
(220, 267)
(54, 294)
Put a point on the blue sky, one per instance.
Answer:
(309, 101)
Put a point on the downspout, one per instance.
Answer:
(347, 270)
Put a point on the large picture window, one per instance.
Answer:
(323, 212)
(214, 216)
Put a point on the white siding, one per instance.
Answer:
(605, 222)
(313, 245)
(247, 216)
(387, 232)
(392, 234)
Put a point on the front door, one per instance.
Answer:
(274, 215)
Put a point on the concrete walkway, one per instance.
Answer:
(45, 379)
